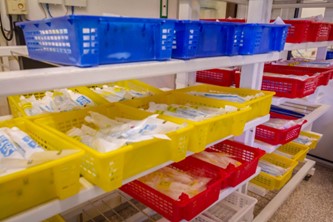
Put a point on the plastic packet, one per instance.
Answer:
(226, 96)
(111, 134)
(26, 144)
(188, 111)
(173, 182)
(304, 140)
(221, 96)
(219, 159)
(100, 120)
(271, 168)
(8, 149)
(278, 152)
(280, 123)
(291, 76)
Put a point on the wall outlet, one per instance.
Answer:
(16, 7)
(52, 2)
(76, 3)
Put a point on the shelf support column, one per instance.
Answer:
(259, 11)
(188, 9)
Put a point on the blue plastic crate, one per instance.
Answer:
(185, 42)
(69, 40)
(262, 38)
(135, 39)
(195, 39)
(92, 40)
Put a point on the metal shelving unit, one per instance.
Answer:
(50, 78)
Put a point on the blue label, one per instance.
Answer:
(6, 147)
(30, 142)
(82, 100)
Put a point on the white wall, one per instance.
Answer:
(142, 8)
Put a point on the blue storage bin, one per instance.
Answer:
(262, 38)
(92, 40)
(69, 40)
(195, 39)
(135, 39)
(185, 42)
(211, 39)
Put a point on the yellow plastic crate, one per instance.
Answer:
(298, 151)
(18, 111)
(271, 182)
(130, 85)
(41, 183)
(56, 218)
(315, 136)
(108, 170)
(205, 131)
(260, 106)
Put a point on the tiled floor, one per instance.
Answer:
(312, 201)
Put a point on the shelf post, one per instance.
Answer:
(188, 9)
(259, 11)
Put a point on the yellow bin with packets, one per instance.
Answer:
(108, 170)
(205, 131)
(260, 105)
(314, 136)
(17, 109)
(43, 182)
(135, 85)
(271, 182)
(296, 150)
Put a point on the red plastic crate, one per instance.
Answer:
(281, 116)
(324, 78)
(275, 136)
(284, 87)
(220, 77)
(247, 155)
(320, 31)
(330, 36)
(307, 31)
(185, 208)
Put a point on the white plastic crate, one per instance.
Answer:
(237, 207)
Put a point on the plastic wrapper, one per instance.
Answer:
(104, 134)
(57, 101)
(19, 151)
(27, 145)
(271, 169)
(219, 159)
(282, 123)
(188, 111)
(173, 182)
(8, 149)
(278, 152)
(304, 140)
(226, 96)
(291, 76)
(118, 93)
